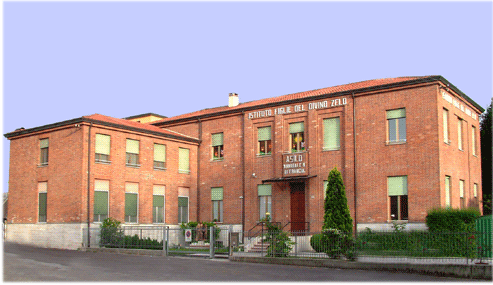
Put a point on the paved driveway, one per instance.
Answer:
(25, 263)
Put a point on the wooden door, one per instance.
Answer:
(297, 206)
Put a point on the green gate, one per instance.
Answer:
(483, 225)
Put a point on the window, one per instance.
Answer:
(326, 183)
(217, 204)
(445, 126)
(217, 146)
(264, 137)
(42, 200)
(101, 189)
(43, 144)
(182, 210)
(459, 133)
(297, 136)
(397, 187)
(131, 202)
(475, 193)
(159, 156)
(396, 125)
(461, 192)
(473, 140)
(447, 191)
(265, 200)
(183, 160)
(332, 134)
(102, 148)
(158, 203)
(132, 153)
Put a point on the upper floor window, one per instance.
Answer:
(43, 144)
(459, 134)
(132, 157)
(473, 140)
(264, 137)
(332, 134)
(445, 127)
(103, 148)
(183, 160)
(159, 156)
(297, 136)
(217, 146)
(396, 125)
(397, 187)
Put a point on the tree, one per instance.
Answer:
(337, 215)
(338, 225)
(486, 154)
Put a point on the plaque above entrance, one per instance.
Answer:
(295, 164)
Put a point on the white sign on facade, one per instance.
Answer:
(457, 104)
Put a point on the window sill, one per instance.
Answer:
(447, 143)
(133, 165)
(330, 149)
(217, 159)
(395, 143)
(160, 168)
(42, 164)
(103, 161)
(184, 171)
(264, 155)
(398, 221)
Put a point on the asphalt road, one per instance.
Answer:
(25, 263)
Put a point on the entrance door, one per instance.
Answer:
(297, 206)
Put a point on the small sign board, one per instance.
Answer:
(295, 164)
(188, 235)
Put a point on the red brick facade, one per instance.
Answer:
(365, 157)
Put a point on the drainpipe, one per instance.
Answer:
(243, 177)
(198, 169)
(354, 154)
(88, 186)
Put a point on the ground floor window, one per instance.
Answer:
(101, 188)
(158, 203)
(265, 200)
(182, 210)
(131, 202)
(42, 201)
(397, 189)
(217, 204)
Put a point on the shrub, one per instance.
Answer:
(452, 220)
(111, 233)
(316, 243)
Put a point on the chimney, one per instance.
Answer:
(233, 100)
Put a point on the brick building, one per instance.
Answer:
(403, 145)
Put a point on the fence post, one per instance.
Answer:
(296, 245)
(211, 242)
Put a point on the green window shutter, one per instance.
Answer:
(264, 190)
(264, 134)
(296, 128)
(183, 159)
(394, 114)
(103, 144)
(217, 194)
(43, 143)
(217, 139)
(130, 204)
(397, 186)
(332, 136)
(132, 146)
(42, 204)
(158, 201)
(159, 152)
(182, 201)
(100, 203)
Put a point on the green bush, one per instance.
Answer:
(316, 243)
(452, 220)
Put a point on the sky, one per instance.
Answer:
(64, 60)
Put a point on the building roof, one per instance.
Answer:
(99, 119)
(358, 87)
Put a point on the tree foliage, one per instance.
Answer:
(337, 215)
(486, 159)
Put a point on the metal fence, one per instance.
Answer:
(131, 237)
(422, 247)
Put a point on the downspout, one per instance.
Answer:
(88, 187)
(243, 175)
(354, 170)
(198, 169)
